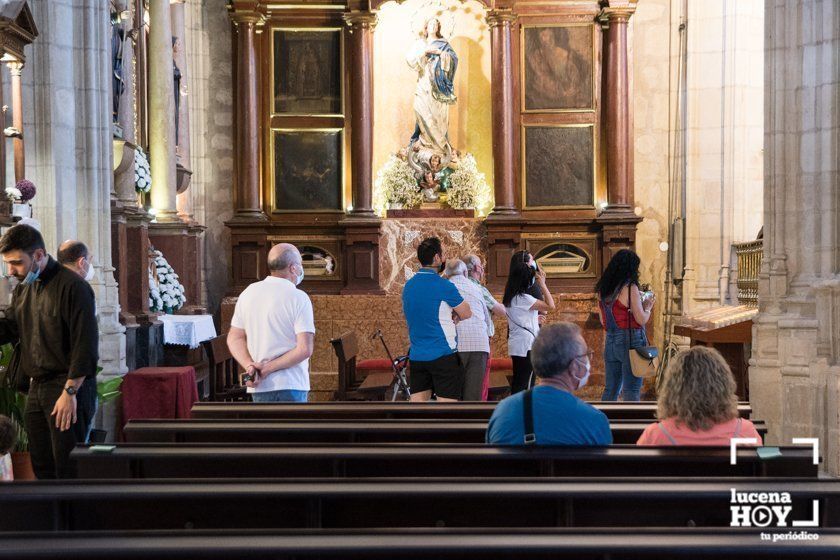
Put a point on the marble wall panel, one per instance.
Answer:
(400, 238)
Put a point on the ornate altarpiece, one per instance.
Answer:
(562, 142)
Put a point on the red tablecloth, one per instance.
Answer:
(158, 392)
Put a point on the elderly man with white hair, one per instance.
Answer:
(473, 340)
(272, 332)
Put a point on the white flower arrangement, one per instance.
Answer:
(468, 187)
(13, 193)
(395, 185)
(142, 171)
(166, 293)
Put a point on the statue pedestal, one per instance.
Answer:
(436, 212)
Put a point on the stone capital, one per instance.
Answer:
(360, 20)
(500, 17)
(619, 14)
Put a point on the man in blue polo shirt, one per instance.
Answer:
(429, 302)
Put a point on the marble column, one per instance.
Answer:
(161, 111)
(248, 206)
(360, 58)
(16, 69)
(504, 112)
(617, 110)
(795, 364)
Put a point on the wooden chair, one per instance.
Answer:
(224, 371)
(350, 385)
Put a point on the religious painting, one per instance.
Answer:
(307, 170)
(307, 72)
(559, 166)
(558, 68)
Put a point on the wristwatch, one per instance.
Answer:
(70, 390)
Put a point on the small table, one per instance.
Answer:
(187, 330)
(158, 392)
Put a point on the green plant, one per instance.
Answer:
(12, 402)
(109, 389)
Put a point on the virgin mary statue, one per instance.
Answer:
(435, 62)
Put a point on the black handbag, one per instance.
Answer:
(14, 374)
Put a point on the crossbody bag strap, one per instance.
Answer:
(528, 413)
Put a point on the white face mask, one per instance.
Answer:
(299, 277)
(91, 273)
(583, 380)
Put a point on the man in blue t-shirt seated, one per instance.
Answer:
(561, 361)
(429, 302)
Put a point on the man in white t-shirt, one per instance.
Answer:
(272, 333)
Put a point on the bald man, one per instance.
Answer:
(272, 333)
(75, 256)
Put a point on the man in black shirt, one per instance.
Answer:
(52, 315)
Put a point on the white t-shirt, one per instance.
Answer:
(523, 324)
(272, 313)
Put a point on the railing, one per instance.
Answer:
(749, 264)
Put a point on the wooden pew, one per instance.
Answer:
(429, 460)
(401, 410)
(334, 504)
(338, 431)
(473, 544)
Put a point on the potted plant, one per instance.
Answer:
(13, 405)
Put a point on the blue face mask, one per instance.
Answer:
(32, 275)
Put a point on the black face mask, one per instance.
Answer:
(442, 266)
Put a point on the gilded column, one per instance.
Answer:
(617, 111)
(161, 112)
(503, 110)
(247, 128)
(360, 58)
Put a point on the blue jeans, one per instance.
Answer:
(284, 395)
(619, 375)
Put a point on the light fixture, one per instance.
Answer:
(663, 246)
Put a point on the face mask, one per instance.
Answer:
(32, 275)
(91, 273)
(533, 265)
(442, 266)
(299, 278)
(533, 280)
(583, 380)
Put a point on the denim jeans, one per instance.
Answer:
(617, 370)
(50, 447)
(284, 395)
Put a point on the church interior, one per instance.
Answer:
(181, 140)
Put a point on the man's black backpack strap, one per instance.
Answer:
(528, 412)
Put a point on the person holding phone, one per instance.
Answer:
(523, 317)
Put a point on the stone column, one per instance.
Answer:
(161, 112)
(16, 69)
(248, 206)
(360, 58)
(617, 110)
(504, 112)
(795, 364)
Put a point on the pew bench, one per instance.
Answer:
(477, 544)
(337, 504)
(430, 460)
(338, 431)
(399, 410)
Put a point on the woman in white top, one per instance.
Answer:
(523, 318)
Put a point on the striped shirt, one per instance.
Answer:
(472, 333)
(490, 302)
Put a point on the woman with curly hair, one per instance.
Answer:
(697, 403)
(624, 315)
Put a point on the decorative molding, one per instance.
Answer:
(618, 15)
(360, 20)
(500, 17)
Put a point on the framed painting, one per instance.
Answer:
(307, 71)
(557, 68)
(308, 170)
(559, 169)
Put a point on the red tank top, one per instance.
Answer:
(621, 314)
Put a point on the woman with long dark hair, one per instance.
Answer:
(624, 315)
(522, 313)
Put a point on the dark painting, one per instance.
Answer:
(307, 72)
(559, 166)
(558, 68)
(307, 170)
